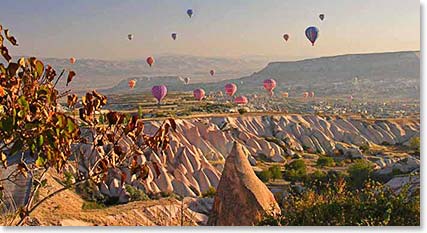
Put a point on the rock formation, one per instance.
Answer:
(241, 199)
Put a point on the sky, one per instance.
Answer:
(219, 28)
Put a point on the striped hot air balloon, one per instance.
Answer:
(159, 92)
(312, 33)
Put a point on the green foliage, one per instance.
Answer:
(140, 112)
(210, 192)
(92, 205)
(337, 204)
(265, 175)
(414, 143)
(275, 172)
(136, 194)
(364, 148)
(242, 111)
(324, 161)
(359, 172)
(296, 170)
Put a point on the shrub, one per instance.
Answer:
(364, 148)
(340, 205)
(265, 175)
(136, 194)
(210, 192)
(359, 172)
(91, 205)
(325, 162)
(296, 170)
(275, 171)
(242, 111)
(414, 143)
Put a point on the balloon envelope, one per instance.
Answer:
(159, 92)
(187, 80)
(150, 61)
(132, 83)
(312, 33)
(311, 94)
(173, 36)
(270, 84)
(190, 12)
(72, 60)
(286, 37)
(241, 100)
(285, 94)
(322, 16)
(130, 36)
(230, 89)
(305, 94)
(212, 72)
(199, 94)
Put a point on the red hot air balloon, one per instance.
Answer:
(212, 72)
(132, 83)
(269, 85)
(311, 94)
(72, 60)
(159, 92)
(286, 37)
(150, 61)
(241, 100)
(199, 94)
(230, 89)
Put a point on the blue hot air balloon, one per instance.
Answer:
(190, 12)
(312, 33)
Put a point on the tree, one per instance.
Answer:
(36, 133)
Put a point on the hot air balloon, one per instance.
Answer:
(285, 94)
(72, 60)
(230, 89)
(322, 17)
(130, 36)
(187, 80)
(190, 12)
(312, 33)
(159, 92)
(350, 98)
(269, 85)
(286, 37)
(311, 94)
(174, 36)
(305, 95)
(199, 94)
(132, 83)
(212, 72)
(150, 61)
(241, 100)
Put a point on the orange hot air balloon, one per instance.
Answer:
(199, 94)
(212, 72)
(286, 37)
(285, 94)
(72, 60)
(241, 100)
(230, 89)
(132, 83)
(150, 61)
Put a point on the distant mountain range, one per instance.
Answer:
(101, 74)
(379, 75)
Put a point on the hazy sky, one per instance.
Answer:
(232, 28)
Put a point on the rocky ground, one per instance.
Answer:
(197, 157)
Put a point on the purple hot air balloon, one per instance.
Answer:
(159, 92)
(312, 33)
